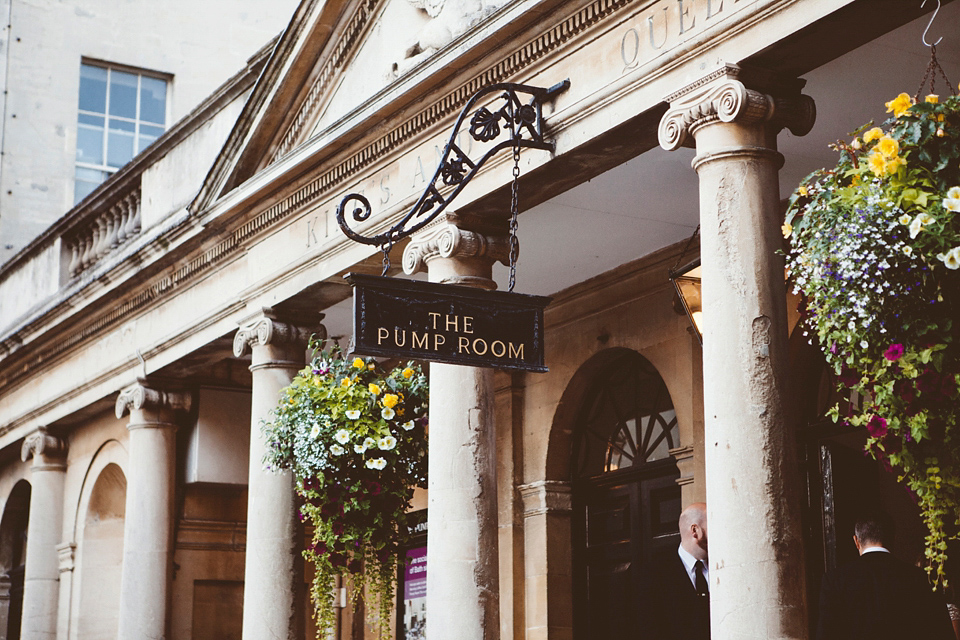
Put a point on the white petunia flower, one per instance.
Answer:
(371, 464)
(408, 425)
(369, 443)
(359, 448)
(342, 436)
(908, 250)
(905, 219)
(387, 442)
(315, 431)
(376, 463)
(952, 201)
(354, 414)
(387, 413)
(337, 450)
(951, 259)
(864, 344)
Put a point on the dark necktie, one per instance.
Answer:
(701, 582)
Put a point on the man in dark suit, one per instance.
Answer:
(879, 597)
(674, 591)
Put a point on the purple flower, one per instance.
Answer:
(877, 426)
(894, 352)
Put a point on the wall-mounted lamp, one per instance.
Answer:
(686, 280)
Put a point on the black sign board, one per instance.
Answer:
(447, 323)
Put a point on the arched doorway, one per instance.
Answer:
(13, 554)
(625, 497)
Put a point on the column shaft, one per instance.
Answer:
(41, 579)
(756, 554)
(273, 593)
(148, 529)
(462, 542)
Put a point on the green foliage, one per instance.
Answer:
(355, 438)
(875, 249)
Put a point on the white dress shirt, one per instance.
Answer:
(689, 563)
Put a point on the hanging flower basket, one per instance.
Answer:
(355, 438)
(875, 249)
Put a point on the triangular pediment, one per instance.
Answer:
(333, 56)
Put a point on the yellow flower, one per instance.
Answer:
(390, 400)
(358, 363)
(874, 134)
(787, 229)
(888, 146)
(878, 164)
(346, 382)
(899, 105)
(371, 366)
(932, 98)
(802, 190)
(894, 163)
(940, 117)
(374, 389)
(408, 373)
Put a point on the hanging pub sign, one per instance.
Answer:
(447, 323)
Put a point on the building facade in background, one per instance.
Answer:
(146, 332)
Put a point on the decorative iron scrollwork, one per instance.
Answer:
(523, 122)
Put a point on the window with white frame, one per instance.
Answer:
(120, 113)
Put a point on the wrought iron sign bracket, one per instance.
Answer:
(522, 122)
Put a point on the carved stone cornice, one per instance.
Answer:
(139, 396)
(65, 553)
(41, 445)
(446, 240)
(546, 496)
(267, 329)
(721, 96)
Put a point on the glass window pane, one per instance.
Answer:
(86, 181)
(123, 94)
(122, 125)
(93, 88)
(90, 144)
(153, 100)
(96, 121)
(119, 148)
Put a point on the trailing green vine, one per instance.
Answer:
(355, 437)
(875, 249)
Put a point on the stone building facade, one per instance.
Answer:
(139, 353)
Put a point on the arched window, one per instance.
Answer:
(627, 418)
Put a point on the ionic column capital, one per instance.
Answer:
(139, 396)
(447, 240)
(722, 96)
(44, 448)
(267, 329)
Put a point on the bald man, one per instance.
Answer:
(674, 589)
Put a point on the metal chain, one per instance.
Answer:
(386, 247)
(514, 211)
(931, 73)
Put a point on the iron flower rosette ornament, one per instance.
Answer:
(354, 436)
(875, 250)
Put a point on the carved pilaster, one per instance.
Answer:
(267, 329)
(140, 396)
(722, 96)
(44, 448)
(546, 496)
(446, 240)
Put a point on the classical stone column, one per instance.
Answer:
(41, 574)
(462, 539)
(272, 594)
(753, 496)
(148, 521)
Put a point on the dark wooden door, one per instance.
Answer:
(624, 520)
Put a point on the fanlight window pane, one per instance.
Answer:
(628, 420)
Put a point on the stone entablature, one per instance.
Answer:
(275, 240)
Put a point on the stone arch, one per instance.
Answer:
(13, 546)
(98, 535)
